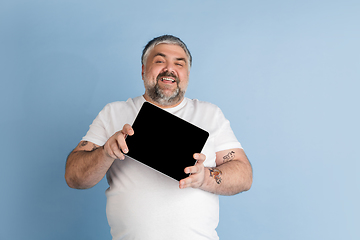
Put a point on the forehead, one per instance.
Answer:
(169, 51)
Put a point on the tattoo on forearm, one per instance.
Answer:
(228, 157)
(83, 144)
(94, 148)
(216, 174)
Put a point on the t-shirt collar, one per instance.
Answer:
(173, 109)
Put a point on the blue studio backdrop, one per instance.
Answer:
(285, 73)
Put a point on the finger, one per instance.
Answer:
(114, 151)
(127, 130)
(110, 152)
(118, 142)
(186, 182)
(120, 139)
(112, 147)
(194, 169)
(191, 181)
(117, 152)
(199, 157)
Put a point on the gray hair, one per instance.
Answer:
(167, 39)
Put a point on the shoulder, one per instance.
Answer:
(116, 104)
(113, 107)
(203, 106)
(131, 103)
(120, 109)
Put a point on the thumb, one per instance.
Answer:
(200, 158)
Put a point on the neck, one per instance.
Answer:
(147, 98)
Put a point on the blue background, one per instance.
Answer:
(285, 73)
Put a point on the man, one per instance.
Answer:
(142, 203)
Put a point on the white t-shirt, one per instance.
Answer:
(145, 204)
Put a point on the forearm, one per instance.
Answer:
(228, 178)
(84, 169)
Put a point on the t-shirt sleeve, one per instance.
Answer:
(225, 137)
(97, 131)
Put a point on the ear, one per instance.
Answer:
(142, 71)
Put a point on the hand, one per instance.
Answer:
(196, 179)
(116, 145)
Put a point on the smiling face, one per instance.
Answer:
(166, 75)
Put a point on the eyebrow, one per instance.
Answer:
(160, 54)
(163, 55)
(181, 59)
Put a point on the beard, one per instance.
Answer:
(159, 95)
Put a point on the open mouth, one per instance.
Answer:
(167, 80)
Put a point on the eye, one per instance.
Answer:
(179, 64)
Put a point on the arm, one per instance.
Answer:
(88, 163)
(232, 174)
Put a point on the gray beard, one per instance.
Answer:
(157, 95)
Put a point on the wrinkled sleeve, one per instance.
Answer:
(225, 137)
(97, 130)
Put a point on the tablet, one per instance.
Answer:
(165, 142)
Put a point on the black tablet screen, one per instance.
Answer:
(164, 141)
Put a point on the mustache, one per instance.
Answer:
(167, 74)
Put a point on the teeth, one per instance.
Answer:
(169, 79)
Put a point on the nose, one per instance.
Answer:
(169, 67)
